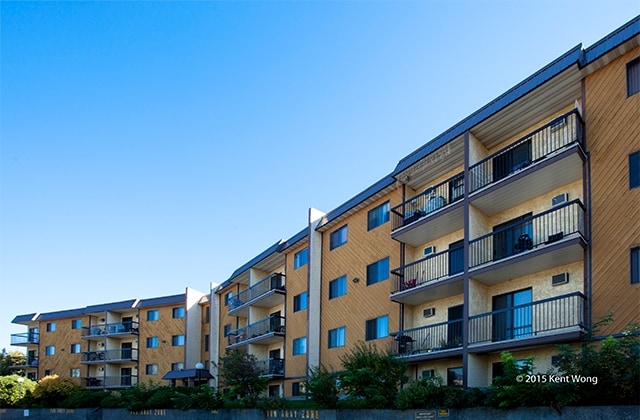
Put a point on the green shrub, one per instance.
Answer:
(322, 388)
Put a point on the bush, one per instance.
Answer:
(241, 372)
(52, 391)
(432, 393)
(322, 388)
(11, 392)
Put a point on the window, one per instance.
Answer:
(177, 340)
(178, 312)
(206, 342)
(338, 287)
(50, 350)
(297, 389)
(454, 377)
(300, 302)
(48, 372)
(152, 342)
(377, 328)
(228, 298)
(227, 329)
(635, 265)
(51, 326)
(338, 237)
(634, 170)
(207, 315)
(177, 366)
(74, 373)
(513, 318)
(153, 315)
(338, 337)
(300, 346)
(378, 271)
(151, 369)
(75, 348)
(378, 216)
(76, 324)
(300, 258)
(633, 77)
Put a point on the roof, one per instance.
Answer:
(113, 306)
(612, 41)
(61, 314)
(294, 240)
(164, 300)
(25, 318)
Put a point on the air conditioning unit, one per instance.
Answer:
(100, 369)
(429, 250)
(428, 373)
(100, 344)
(560, 279)
(559, 199)
(429, 312)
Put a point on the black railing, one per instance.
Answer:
(428, 339)
(127, 327)
(273, 324)
(429, 269)
(545, 228)
(109, 355)
(271, 367)
(25, 338)
(522, 321)
(272, 282)
(535, 146)
(30, 362)
(431, 199)
(111, 381)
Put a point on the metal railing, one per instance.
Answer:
(271, 367)
(562, 131)
(128, 327)
(558, 313)
(271, 282)
(429, 338)
(429, 269)
(109, 355)
(110, 381)
(547, 227)
(30, 362)
(25, 338)
(431, 199)
(271, 324)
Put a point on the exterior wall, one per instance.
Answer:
(225, 319)
(205, 334)
(361, 302)
(613, 132)
(63, 360)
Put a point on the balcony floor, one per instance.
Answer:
(430, 291)
(434, 225)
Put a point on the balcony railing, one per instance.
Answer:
(111, 381)
(109, 355)
(555, 314)
(428, 339)
(429, 269)
(272, 282)
(117, 328)
(273, 324)
(271, 367)
(535, 146)
(542, 229)
(25, 338)
(432, 199)
(31, 362)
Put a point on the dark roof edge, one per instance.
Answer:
(611, 41)
(264, 254)
(294, 240)
(552, 69)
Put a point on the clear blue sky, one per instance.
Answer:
(150, 146)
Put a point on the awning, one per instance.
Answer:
(188, 373)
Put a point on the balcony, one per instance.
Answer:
(433, 277)
(431, 214)
(269, 330)
(550, 239)
(25, 339)
(120, 329)
(100, 382)
(545, 321)
(271, 368)
(110, 356)
(267, 293)
(430, 341)
(30, 363)
(539, 162)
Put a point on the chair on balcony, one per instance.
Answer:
(524, 243)
(409, 284)
(405, 344)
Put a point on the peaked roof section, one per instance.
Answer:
(294, 240)
(61, 314)
(113, 306)
(612, 41)
(263, 255)
(164, 300)
(25, 318)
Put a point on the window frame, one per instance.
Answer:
(378, 215)
(76, 324)
(634, 169)
(75, 348)
(178, 312)
(374, 269)
(635, 265)
(338, 237)
(154, 317)
(300, 258)
(151, 369)
(374, 325)
(50, 351)
(178, 340)
(152, 342)
(300, 302)
(633, 77)
(338, 287)
(51, 326)
(177, 366)
(74, 372)
(339, 336)
(299, 346)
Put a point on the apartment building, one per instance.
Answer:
(514, 230)
(115, 345)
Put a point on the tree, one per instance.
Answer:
(12, 391)
(52, 391)
(242, 374)
(14, 358)
(321, 387)
(372, 377)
